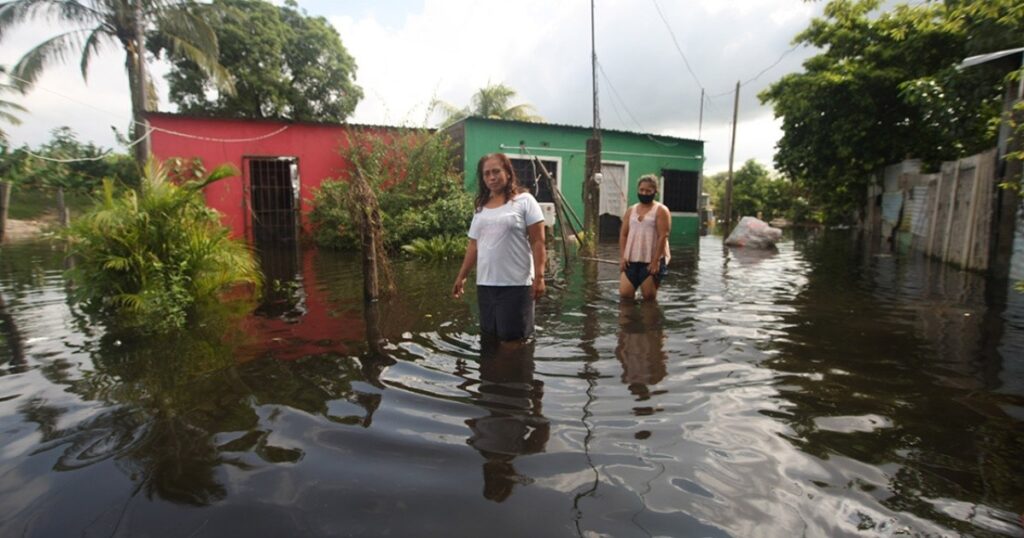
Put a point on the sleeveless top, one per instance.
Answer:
(642, 236)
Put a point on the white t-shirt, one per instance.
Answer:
(503, 255)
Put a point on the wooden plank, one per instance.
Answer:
(949, 209)
(930, 249)
(972, 217)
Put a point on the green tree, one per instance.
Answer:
(285, 63)
(886, 87)
(418, 188)
(121, 22)
(493, 101)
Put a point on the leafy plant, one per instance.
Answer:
(444, 247)
(418, 188)
(150, 259)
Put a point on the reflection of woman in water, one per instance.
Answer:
(641, 347)
(515, 425)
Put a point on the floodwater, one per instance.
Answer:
(820, 390)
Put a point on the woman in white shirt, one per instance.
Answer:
(506, 245)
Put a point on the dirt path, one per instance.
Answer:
(21, 230)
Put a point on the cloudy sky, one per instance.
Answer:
(655, 57)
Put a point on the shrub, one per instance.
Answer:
(150, 259)
(443, 247)
(418, 188)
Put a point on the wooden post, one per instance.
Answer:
(371, 284)
(5, 199)
(62, 208)
(591, 196)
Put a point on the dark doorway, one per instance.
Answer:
(679, 191)
(527, 172)
(273, 187)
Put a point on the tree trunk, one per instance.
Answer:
(136, 64)
(591, 196)
(62, 209)
(371, 284)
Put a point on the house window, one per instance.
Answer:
(527, 172)
(679, 191)
(273, 197)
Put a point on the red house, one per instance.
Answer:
(281, 164)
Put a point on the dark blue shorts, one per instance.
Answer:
(506, 311)
(637, 272)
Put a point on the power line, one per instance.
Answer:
(759, 73)
(676, 42)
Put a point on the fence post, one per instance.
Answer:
(5, 198)
(971, 218)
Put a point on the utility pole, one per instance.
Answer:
(592, 167)
(700, 122)
(732, 153)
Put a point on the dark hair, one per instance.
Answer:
(482, 192)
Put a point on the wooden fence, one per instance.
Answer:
(948, 215)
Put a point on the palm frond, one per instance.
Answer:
(92, 46)
(55, 49)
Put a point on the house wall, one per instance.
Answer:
(314, 146)
(644, 155)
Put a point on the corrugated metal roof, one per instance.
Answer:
(283, 121)
(578, 127)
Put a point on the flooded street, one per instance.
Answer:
(814, 391)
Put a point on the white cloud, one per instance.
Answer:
(450, 48)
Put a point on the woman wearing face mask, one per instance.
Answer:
(643, 243)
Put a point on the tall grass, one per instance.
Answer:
(151, 259)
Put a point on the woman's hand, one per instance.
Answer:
(654, 267)
(539, 287)
(457, 287)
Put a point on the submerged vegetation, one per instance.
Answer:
(152, 258)
(418, 187)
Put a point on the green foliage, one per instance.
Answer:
(97, 24)
(418, 188)
(756, 189)
(493, 101)
(886, 87)
(444, 247)
(152, 259)
(36, 180)
(285, 63)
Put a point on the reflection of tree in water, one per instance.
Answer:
(515, 424)
(880, 365)
(641, 346)
(169, 399)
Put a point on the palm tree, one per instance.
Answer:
(124, 23)
(6, 106)
(491, 101)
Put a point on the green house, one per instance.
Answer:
(625, 157)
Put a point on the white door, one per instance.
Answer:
(614, 187)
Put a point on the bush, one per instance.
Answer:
(418, 188)
(444, 247)
(151, 259)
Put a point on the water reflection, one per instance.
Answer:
(641, 347)
(515, 424)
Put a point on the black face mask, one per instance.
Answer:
(645, 198)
